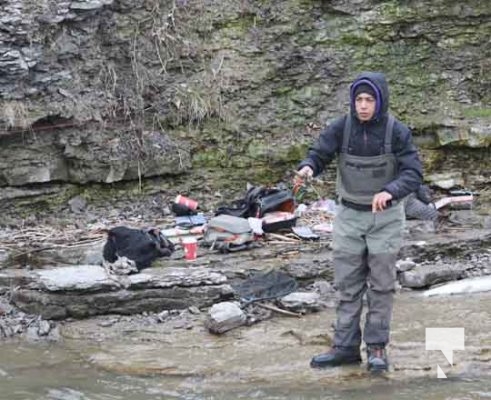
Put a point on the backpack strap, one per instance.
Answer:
(252, 200)
(388, 134)
(253, 194)
(346, 134)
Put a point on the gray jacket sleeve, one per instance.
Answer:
(410, 169)
(323, 151)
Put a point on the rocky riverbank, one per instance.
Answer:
(65, 280)
(155, 323)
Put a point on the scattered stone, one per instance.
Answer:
(194, 310)
(464, 286)
(77, 204)
(308, 268)
(466, 218)
(32, 333)
(327, 293)
(5, 330)
(122, 266)
(106, 323)
(44, 328)
(76, 278)
(301, 302)
(324, 288)
(85, 291)
(405, 265)
(224, 317)
(446, 244)
(39, 329)
(447, 180)
(182, 324)
(416, 227)
(163, 316)
(255, 314)
(425, 275)
(5, 307)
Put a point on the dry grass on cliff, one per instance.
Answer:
(169, 29)
(14, 114)
(196, 103)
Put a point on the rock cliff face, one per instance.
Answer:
(113, 90)
(64, 113)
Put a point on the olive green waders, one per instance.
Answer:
(365, 244)
(365, 247)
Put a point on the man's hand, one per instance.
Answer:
(306, 172)
(379, 202)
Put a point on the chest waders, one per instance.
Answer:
(365, 244)
(359, 178)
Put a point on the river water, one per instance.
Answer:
(266, 361)
(51, 372)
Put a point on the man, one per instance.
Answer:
(378, 166)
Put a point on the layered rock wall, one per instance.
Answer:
(114, 90)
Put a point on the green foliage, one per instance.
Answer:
(476, 112)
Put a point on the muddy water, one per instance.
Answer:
(41, 373)
(54, 373)
(265, 361)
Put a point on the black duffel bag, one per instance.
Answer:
(260, 200)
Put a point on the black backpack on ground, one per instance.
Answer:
(260, 200)
(139, 245)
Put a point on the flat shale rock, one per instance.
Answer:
(425, 275)
(88, 290)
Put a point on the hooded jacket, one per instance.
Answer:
(367, 139)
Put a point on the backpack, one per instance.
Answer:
(227, 233)
(278, 221)
(141, 246)
(267, 200)
(260, 200)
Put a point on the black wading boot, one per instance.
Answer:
(377, 358)
(337, 356)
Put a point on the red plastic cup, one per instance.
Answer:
(190, 245)
(186, 201)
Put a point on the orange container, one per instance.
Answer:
(186, 201)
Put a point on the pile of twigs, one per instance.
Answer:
(315, 217)
(31, 239)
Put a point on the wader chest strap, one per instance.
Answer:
(388, 135)
(346, 134)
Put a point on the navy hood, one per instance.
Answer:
(377, 81)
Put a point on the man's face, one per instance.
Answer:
(365, 106)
